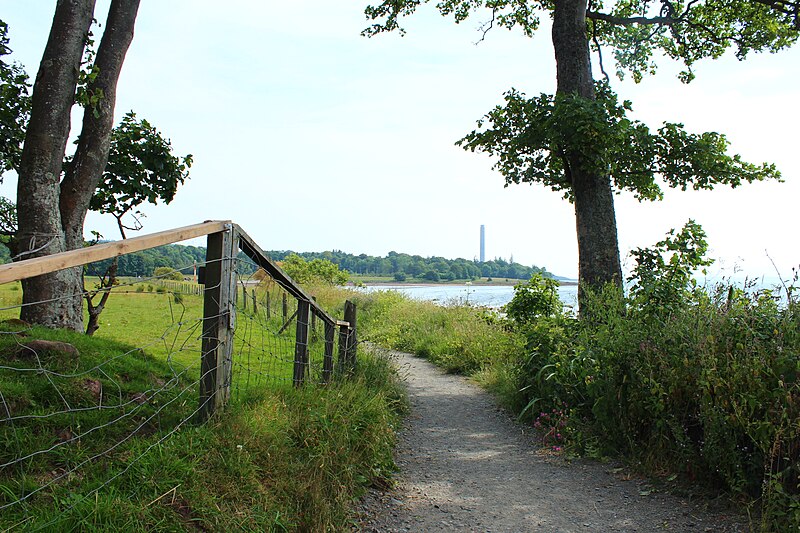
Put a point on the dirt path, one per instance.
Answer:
(466, 466)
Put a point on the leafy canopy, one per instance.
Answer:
(15, 106)
(637, 30)
(530, 135)
(141, 168)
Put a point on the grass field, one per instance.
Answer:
(105, 439)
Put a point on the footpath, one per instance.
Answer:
(465, 465)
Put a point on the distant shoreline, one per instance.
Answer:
(415, 283)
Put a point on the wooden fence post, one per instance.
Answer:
(218, 323)
(327, 361)
(352, 340)
(244, 297)
(255, 303)
(314, 322)
(285, 307)
(347, 346)
(268, 306)
(301, 342)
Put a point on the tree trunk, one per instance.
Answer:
(50, 299)
(91, 156)
(598, 248)
(106, 284)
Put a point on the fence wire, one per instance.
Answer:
(72, 409)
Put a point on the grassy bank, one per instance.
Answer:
(278, 459)
(699, 387)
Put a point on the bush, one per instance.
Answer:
(699, 382)
(167, 273)
(316, 271)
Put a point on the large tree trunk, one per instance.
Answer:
(91, 156)
(51, 299)
(598, 248)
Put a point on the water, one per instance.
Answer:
(494, 296)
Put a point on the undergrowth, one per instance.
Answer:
(280, 459)
(692, 384)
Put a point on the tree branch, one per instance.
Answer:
(486, 27)
(630, 21)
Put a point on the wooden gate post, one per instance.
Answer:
(218, 322)
(301, 342)
(327, 361)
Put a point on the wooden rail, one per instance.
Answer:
(219, 298)
(50, 263)
(259, 257)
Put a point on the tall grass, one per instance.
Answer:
(279, 459)
(460, 338)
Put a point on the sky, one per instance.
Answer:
(312, 137)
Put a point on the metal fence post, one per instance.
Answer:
(218, 322)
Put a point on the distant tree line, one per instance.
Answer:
(399, 266)
(403, 266)
(144, 263)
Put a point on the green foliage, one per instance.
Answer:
(416, 266)
(636, 30)
(143, 263)
(698, 382)
(314, 271)
(167, 273)
(507, 13)
(458, 338)
(141, 168)
(535, 299)
(15, 106)
(691, 31)
(530, 136)
(662, 278)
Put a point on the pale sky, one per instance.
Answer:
(313, 138)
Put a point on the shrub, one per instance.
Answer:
(167, 273)
(698, 381)
(316, 271)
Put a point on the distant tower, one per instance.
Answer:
(483, 243)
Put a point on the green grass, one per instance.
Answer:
(278, 459)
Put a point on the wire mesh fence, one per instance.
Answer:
(76, 413)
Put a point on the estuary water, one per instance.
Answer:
(494, 296)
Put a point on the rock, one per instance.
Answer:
(31, 349)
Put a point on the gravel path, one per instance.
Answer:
(465, 465)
